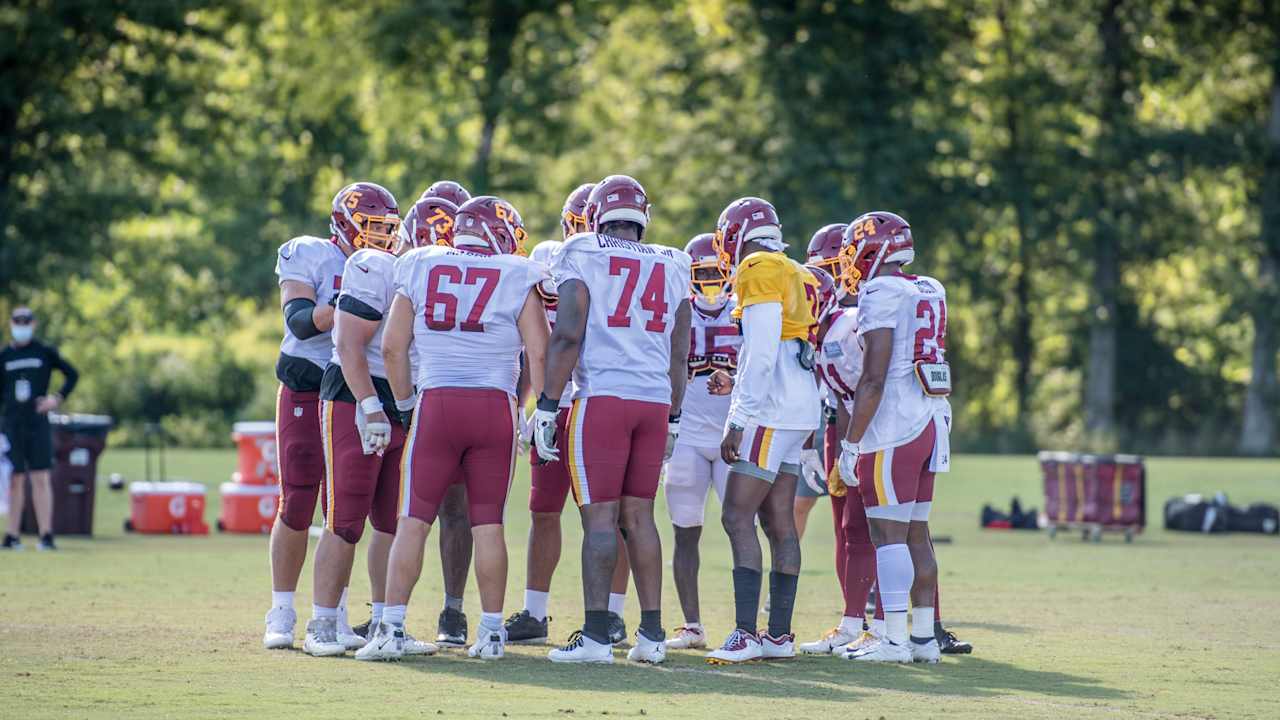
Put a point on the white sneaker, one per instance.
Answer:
(777, 648)
(928, 652)
(865, 639)
(582, 649)
(490, 644)
(279, 634)
(322, 638)
(346, 635)
(386, 642)
(739, 647)
(835, 637)
(647, 651)
(687, 637)
(884, 651)
(414, 646)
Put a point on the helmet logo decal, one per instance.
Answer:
(353, 199)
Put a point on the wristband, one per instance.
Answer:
(547, 404)
(736, 427)
(673, 419)
(406, 404)
(371, 405)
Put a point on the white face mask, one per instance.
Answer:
(21, 333)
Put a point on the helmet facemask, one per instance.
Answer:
(710, 284)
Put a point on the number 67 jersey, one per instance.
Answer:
(915, 308)
(635, 290)
(466, 306)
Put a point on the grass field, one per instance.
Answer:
(1171, 626)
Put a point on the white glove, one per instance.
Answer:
(544, 434)
(673, 432)
(375, 435)
(524, 429)
(811, 462)
(848, 461)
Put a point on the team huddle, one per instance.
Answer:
(413, 344)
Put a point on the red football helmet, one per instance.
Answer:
(710, 283)
(617, 197)
(871, 240)
(449, 190)
(542, 252)
(824, 248)
(826, 290)
(748, 218)
(573, 218)
(428, 222)
(365, 215)
(489, 223)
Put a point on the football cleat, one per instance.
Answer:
(451, 629)
(617, 629)
(925, 652)
(885, 651)
(825, 645)
(12, 542)
(46, 542)
(864, 640)
(687, 638)
(363, 628)
(279, 633)
(322, 638)
(741, 646)
(347, 635)
(524, 628)
(490, 645)
(777, 648)
(386, 642)
(581, 649)
(647, 651)
(414, 646)
(949, 643)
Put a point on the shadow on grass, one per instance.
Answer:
(993, 627)
(809, 678)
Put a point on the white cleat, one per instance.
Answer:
(348, 637)
(777, 648)
(687, 638)
(490, 644)
(414, 646)
(825, 645)
(386, 642)
(741, 646)
(647, 651)
(322, 638)
(865, 639)
(582, 649)
(926, 652)
(279, 633)
(883, 651)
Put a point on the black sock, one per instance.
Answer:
(782, 599)
(746, 597)
(651, 624)
(597, 626)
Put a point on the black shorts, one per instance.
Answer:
(30, 443)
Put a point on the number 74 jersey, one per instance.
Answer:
(915, 308)
(635, 291)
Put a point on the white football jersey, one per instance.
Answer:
(369, 277)
(466, 308)
(713, 345)
(318, 263)
(915, 308)
(840, 356)
(635, 291)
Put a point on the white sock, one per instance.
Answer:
(535, 601)
(694, 626)
(393, 614)
(342, 601)
(617, 603)
(922, 622)
(320, 613)
(895, 626)
(851, 625)
(877, 627)
(379, 612)
(491, 621)
(282, 599)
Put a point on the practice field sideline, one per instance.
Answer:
(1171, 626)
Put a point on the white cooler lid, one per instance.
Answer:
(232, 488)
(172, 487)
(254, 427)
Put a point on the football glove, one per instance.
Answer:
(811, 462)
(544, 429)
(848, 462)
(524, 428)
(673, 432)
(375, 434)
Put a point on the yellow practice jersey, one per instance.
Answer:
(765, 277)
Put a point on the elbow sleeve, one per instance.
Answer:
(297, 317)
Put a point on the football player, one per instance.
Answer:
(310, 275)
(622, 329)
(449, 190)
(771, 414)
(695, 466)
(812, 483)
(899, 426)
(550, 480)
(467, 311)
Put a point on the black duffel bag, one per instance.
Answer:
(1193, 513)
(1257, 518)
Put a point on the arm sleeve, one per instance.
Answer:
(761, 336)
(70, 376)
(298, 318)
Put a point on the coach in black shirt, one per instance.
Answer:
(25, 403)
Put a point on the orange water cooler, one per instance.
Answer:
(170, 508)
(256, 453)
(248, 508)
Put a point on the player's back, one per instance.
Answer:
(317, 263)
(466, 311)
(635, 290)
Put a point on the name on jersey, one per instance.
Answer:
(604, 241)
